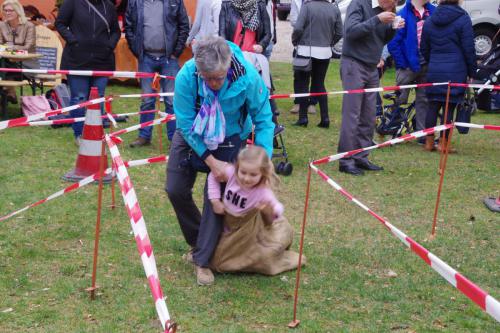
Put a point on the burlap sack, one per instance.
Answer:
(249, 245)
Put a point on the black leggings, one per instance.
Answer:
(317, 77)
(433, 112)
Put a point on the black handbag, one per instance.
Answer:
(302, 64)
(464, 112)
(226, 151)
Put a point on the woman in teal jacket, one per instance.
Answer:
(218, 96)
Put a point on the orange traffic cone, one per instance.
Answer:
(89, 154)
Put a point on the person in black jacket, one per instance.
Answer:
(448, 47)
(156, 32)
(90, 29)
(245, 23)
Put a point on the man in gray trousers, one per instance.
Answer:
(368, 27)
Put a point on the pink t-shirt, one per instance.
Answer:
(238, 200)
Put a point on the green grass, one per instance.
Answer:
(46, 252)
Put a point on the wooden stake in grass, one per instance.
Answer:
(295, 322)
(442, 161)
(156, 86)
(98, 221)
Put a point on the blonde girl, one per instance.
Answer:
(249, 184)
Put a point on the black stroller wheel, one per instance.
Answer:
(287, 169)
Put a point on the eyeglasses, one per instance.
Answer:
(8, 10)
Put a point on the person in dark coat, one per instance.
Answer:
(448, 47)
(90, 29)
(245, 23)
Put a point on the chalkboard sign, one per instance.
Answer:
(49, 59)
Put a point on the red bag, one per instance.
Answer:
(244, 38)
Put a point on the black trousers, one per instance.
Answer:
(200, 230)
(316, 77)
(433, 112)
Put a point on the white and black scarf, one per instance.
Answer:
(249, 13)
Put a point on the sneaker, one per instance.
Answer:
(139, 142)
(295, 108)
(78, 140)
(311, 109)
(188, 256)
(204, 276)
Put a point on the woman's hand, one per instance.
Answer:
(386, 17)
(217, 168)
(258, 48)
(218, 206)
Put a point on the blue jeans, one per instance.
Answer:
(163, 66)
(79, 87)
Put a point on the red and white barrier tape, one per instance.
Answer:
(163, 94)
(85, 181)
(485, 127)
(80, 119)
(359, 91)
(140, 233)
(403, 138)
(12, 122)
(168, 118)
(117, 74)
(489, 304)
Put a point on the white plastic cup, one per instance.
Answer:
(396, 21)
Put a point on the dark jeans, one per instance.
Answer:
(317, 80)
(296, 84)
(79, 87)
(200, 230)
(163, 66)
(433, 112)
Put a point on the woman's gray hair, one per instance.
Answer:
(212, 54)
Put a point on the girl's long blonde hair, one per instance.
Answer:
(18, 8)
(258, 155)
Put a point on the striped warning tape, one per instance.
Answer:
(162, 120)
(140, 233)
(85, 181)
(489, 304)
(403, 138)
(117, 74)
(12, 122)
(485, 127)
(80, 119)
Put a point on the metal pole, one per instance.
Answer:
(295, 322)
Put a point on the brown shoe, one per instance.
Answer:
(139, 142)
(204, 276)
(295, 108)
(429, 143)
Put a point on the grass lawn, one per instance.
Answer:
(347, 286)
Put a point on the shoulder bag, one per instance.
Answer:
(301, 63)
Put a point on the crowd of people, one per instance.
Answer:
(223, 92)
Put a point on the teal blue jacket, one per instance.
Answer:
(248, 92)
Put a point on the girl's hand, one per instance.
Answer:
(218, 207)
(267, 212)
(257, 48)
